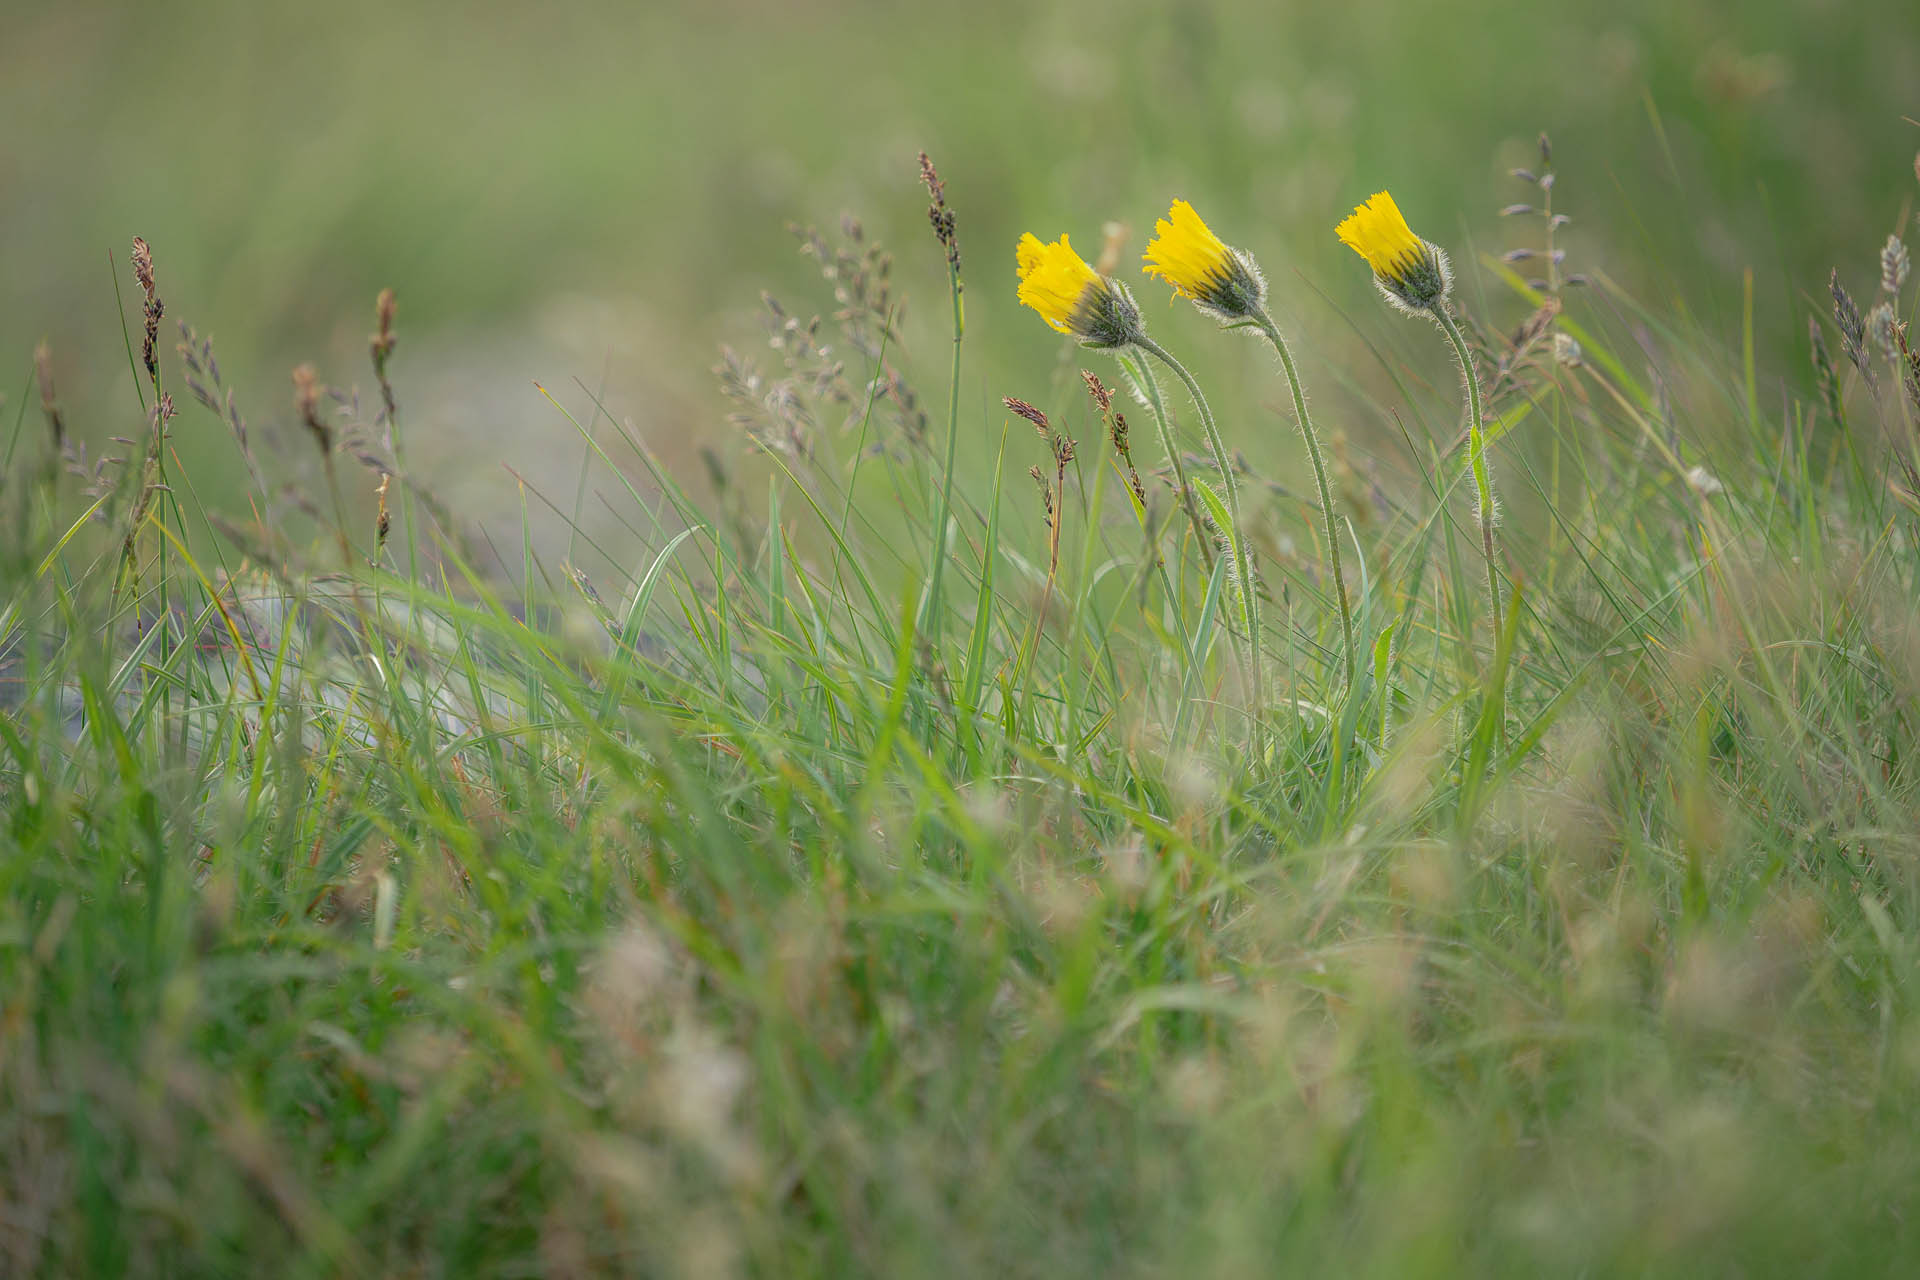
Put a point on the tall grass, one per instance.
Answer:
(416, 907)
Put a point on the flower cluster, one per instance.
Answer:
(1226, 284)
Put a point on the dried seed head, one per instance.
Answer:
(152, 310)
(1031, 414)
(143, 265)
(939, 215)
(1102, 398)
(1894, 265)
(1046, 492)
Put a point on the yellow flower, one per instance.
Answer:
(1203, 268)
(1185, 253)
(1073, 297)
(1409, 271)
(1053, 279)
(1378, 233)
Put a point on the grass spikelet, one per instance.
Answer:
(1852, 326)
(1895, 262)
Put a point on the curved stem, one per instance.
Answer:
(1150, 385)
(1243, 562)
(1477, 460)
(1272, 331)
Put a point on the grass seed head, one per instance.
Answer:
(1037, 417)
(940, 216)
(1895, 262)
(152, 309)
(1853, 327)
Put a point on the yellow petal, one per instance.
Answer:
(1377, 232)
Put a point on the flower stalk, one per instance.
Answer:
(1249, 592)
(1265, 322)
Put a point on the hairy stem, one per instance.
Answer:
(1149, 386)
(1243, 562)
(1265, 320)
(1477, 460)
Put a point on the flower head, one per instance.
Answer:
(1412, 273)
(1221, 280)
(1073, 297)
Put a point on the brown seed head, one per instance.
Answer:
(143, 265)
(939, 215)
(1102, 398)
(1031, 414)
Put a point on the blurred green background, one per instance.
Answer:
(600, 191)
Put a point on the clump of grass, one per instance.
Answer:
(750, 909)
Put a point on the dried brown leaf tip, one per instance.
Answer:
(306, 398)
(43, 374)
(941, 216)
(153, 308)
(382, 344)
(383, 340)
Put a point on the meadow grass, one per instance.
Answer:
(404, 904)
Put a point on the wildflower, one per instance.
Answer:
(1222, 281)
(1073, 297)
(1411, 273)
